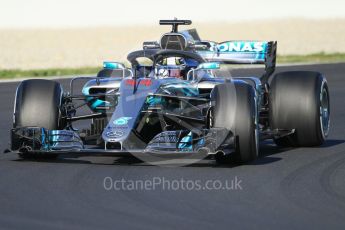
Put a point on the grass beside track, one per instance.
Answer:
(18, 73)
(312, 58)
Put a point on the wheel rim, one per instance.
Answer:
(210, 119)
(256, 142)
(256, 119)
(324, 111)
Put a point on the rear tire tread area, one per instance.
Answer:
(295, 104)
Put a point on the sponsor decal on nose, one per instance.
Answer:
(122, 120)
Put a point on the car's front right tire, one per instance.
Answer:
(38, 104)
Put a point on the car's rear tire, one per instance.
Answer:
(300, 100)
(38, 104)
(238, 113)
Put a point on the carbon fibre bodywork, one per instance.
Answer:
(136, 110)
(146, 112)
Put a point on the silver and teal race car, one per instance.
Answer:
(174, 100)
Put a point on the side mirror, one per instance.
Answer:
(113, 65)
(209, 65)
(203, 66)
(109, 66)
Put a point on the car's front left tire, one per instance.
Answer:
(235, 109)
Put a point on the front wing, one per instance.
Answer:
(38, 140)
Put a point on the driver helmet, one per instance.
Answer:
(173, 61)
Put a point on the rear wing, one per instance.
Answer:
(228, 52)
(241, 52)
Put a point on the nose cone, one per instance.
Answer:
(132, 98)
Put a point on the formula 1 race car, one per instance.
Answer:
(173, 101)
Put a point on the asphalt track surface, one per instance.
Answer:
(300, 188)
